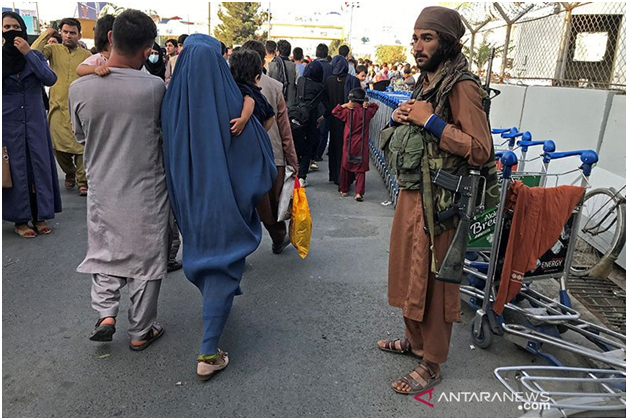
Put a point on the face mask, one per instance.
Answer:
(153, 58)
(9, 37)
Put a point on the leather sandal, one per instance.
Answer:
(208, 368)
(150, 338)
(42, 228)
(70, 183)
(82, 191)
(25, 231)
(103, 332)
(399, 346)
(428, 379)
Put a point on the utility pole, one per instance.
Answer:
(209, 18)
(270, 25)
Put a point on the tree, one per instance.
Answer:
(390, 53)
(240, 21)
(482, 53)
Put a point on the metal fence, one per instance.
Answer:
(552, 44)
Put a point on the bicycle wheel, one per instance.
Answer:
(600, 231)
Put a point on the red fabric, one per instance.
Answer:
(347, 178)
(538, 219)
(343, 114)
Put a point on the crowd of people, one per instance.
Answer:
(196, 137)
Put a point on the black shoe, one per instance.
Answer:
(174, 266)
(277, 249)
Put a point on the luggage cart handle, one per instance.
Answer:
(512, 135)
(587, 157)
(548, 145)
(509, 159)
(504, 130)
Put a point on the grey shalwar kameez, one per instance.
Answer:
(117, 117)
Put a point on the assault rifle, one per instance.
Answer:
(486, 102)
(465, 189)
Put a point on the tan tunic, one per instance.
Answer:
(408, 266)
(64, 63)
(118, 119)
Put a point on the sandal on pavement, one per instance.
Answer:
(208, 368)
(427, 379)
(174, 266)
(398, 346)
(150, 338)
(25, 231)
(70, 183)
(42, 227)
(358, 197)
(83, 191)
(103, 332)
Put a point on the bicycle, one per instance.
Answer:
(602, 233)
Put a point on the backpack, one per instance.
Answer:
(299, 112)
(282, 75)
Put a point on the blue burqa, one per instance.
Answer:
(215, 180)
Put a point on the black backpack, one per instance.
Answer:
(299, 112)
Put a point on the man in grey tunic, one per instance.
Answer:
(117, 117)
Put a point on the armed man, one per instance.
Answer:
(443, 127)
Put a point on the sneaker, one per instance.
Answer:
(313, 166)
(303, 182)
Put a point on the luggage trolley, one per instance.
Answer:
(388, 102)
(544, 320)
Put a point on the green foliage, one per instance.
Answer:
(482, 53)
(335, 44)
(239, 22)
(390, 53)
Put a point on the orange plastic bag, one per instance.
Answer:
(301, 221)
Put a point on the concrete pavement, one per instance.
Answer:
(301, 338)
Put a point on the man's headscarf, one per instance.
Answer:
(13, 60)
(441, 19)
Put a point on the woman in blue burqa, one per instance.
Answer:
(215, 180)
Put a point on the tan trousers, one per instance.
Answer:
(268, 208)
(142, 293)
(72, 167)
(433, 334)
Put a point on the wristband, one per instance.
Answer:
(435, 125)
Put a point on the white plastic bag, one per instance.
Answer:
(284, 211)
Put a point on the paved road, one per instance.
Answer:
(301, 338)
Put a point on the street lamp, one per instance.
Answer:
(352, 5)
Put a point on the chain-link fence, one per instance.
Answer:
(552, 44)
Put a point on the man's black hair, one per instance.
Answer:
(172, 41)
(297, 53)
(182, 38)
(238, 48)
(352, 61)
(57, 37)
(284, 48)
(245, 66)
(101, 32)
(70, 22)
(357, 95)
(343, 51)
(256, 46)
(359, 69)
(322, 50)
(223, 48)
(449, 46)
(271, 47)
(133, 31)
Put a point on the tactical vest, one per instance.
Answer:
(414, 156)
